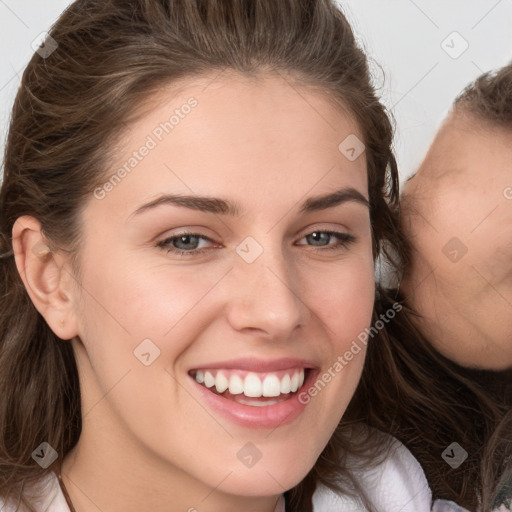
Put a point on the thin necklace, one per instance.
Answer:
(65, 492)
(280, 505)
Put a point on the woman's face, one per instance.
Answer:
(458, 215)
(209, 264)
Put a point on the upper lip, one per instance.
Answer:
(258, 365)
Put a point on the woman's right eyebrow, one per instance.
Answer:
(220, 206)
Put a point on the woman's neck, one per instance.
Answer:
(97, 477)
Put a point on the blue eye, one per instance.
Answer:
(189, 244)
(319, 237)
(184, 243)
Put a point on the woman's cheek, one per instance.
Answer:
(349, 299)
(159, 297)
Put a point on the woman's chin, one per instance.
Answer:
(260, 484)
(269, 478)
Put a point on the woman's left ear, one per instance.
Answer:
(47, 277)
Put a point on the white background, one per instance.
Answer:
(417, 78)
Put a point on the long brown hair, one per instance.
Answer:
(427, 401)
(72, 106)
(489, 99)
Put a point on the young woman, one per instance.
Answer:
(194, 197)
(452, 406)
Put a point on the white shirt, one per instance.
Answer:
(397, 484)
(52, 497)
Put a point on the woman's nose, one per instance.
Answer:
(266, 296)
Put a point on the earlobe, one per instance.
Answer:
(45, 277)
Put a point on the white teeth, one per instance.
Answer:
(209, 380)
(221, 383)
(285, 384)
(271, 386)
(256, 403)
(236, 385)
(253, 385)
(295, 383)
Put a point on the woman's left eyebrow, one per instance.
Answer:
(220, 206)
(341, 196)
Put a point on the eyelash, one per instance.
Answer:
(344, 240)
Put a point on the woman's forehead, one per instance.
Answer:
(243, 135)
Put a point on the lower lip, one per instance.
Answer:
(266, 417)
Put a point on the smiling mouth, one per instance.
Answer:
(252, 388)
